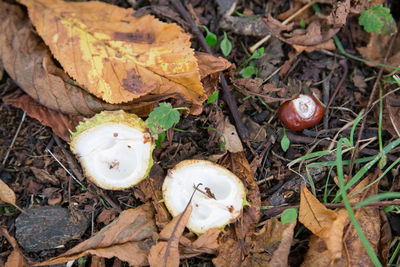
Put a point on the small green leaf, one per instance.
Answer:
(289, 216)
(391, 208)
(258, 53)
(285, 142)
(81, 261)
(160, 139)
(302, 24)
(162, 118)
(225, 45)
(248, 71)
(213, 97)
(377, 19)
(211, 38)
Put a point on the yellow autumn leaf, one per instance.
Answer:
(116, 56)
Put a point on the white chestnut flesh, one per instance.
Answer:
(115, 151)
(218, 201)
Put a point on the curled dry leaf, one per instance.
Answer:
(324, 223)
(8, 196)
(233, 249)
(376, 49)
(60, 123)
(28, 62)
(316, 35)
(115, 55)
(15, 259)
(128, 238)
(166, 252)
(280, 256)
(36, 73)
(352, 250)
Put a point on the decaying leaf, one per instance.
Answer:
(352, 251)
(376, 50)
(16, 259)
(233, 248)
(229, 136)
(316, 35)
(129, 238)
(265, 242)
(36, 73)
(166, 251)
(28, 62)
(324, 223)
(280, 256)
(7, 195)
(61, 124)
(115, 55)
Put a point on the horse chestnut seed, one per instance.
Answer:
(300, 113)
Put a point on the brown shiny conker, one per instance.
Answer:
(301, 112)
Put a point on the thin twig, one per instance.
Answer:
(228, 97)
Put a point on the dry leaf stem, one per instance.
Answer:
(228, 97)
(278, 210)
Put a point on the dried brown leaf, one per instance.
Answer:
(280, 256)
(376, 49)
(353, 252)
(60, 123)
(323, 222)
(128, 238)
(234, 246)
(316, 32)
(151, 188)
(166, 251)
(28, 62)
(7, 195)
(36, 73)
(391, 112)
(108, 59)
(15, 259)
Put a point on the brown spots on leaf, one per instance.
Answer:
(133, 83)
(135, 37)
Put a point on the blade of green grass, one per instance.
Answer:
(365, 168)
(377, 198)
(339, 168)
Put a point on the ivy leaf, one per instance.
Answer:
(377, 19)
(162, 118)
(289, 216)
(225, 45)
(211, 38)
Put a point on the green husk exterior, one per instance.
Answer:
(118, 116)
